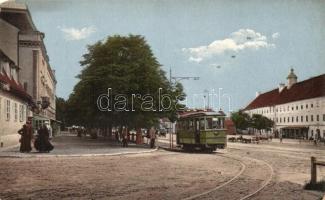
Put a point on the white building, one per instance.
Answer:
(297, 109)
(35, 74)
(15, 103)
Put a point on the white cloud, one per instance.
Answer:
(237, 41)
(275, 35)
(77, 34)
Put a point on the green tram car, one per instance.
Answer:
(204, 130)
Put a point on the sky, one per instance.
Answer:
(236, 47)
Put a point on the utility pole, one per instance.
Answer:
(177, 79)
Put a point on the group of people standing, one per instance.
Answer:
(41, 142)
(151, 134)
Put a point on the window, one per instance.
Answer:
(296, 107)
(302, 118)
(311, 105)
(323, 117)
(292, 108)
(292, 119)
(20, 113)
(8, 110)
(317, 118)
(214, 123)
(306, 118)
(202, 124)
(15, 112)
(306, 106)
(301, 107)
(288, 119)
(284, 119)
(312, 118)
(297, 119)
(280, 119)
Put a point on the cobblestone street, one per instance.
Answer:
(73, 172)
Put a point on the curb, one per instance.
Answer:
(78, 155)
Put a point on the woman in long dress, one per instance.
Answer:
(42, 143)
(26, 133)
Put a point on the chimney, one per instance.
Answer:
(292, 78)
(258, 93)
(281, 87)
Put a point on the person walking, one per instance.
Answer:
(117, 137)
(26, 133)
(152, 134)
(124, 137)
(42, 143)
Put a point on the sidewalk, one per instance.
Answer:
(74, 146)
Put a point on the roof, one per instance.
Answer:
(307, 89)
(16, 88)
(18, 15)
(13, 5)
(201, 113)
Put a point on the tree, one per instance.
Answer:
(127, 66)
(261, 122)
(61, 111)
(241, 120)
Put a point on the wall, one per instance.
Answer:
(283, 114)
(35, 70)
(8, 40)
(9, 128)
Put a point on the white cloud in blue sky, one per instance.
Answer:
(275, 35)
(243, 39)
(77, 34)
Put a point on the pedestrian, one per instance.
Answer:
(26, 133)
(152, 134)
(280, 135)
(42, 142)
(124, 137)
(117, 137)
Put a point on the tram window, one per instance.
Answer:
(191, 124)
(202, 124)
(209, 123)
(216, 123)
(222, 123)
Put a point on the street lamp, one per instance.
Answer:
(219, 95)
(206, 91)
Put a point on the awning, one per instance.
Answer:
(295, 127)
(38, 117)
(56, 121)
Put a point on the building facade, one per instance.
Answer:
(297, 109)
(23, 44)
(15, 103)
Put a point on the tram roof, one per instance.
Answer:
(202, 113)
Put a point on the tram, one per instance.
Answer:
(201, 129)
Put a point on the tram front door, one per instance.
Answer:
(197, 131)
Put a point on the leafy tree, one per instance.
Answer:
(241, 120)
(127, 66)
(61, 111)
(261, 122)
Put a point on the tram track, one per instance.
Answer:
(236, 186)
(242, 186)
